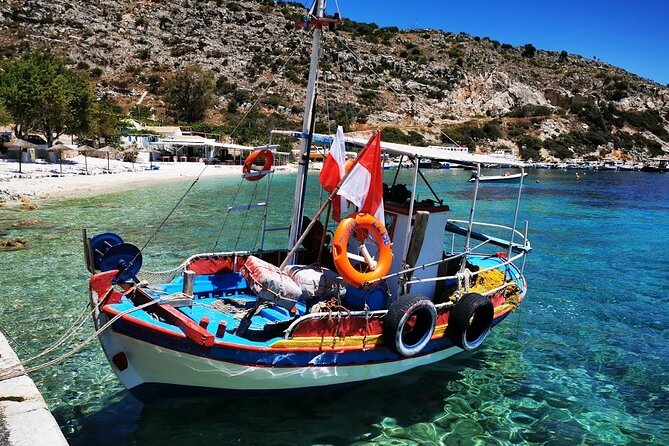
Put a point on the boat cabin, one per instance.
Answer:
(399, 223)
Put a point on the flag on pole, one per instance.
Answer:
(364, 185)
(333, 171)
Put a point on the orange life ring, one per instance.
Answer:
(348, 227)
(248, 164)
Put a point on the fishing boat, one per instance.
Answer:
(401, 283)
(660, 165)
(506, 176)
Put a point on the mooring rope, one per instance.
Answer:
(76, 325)
(80, 320)
(14, 340)
(90, 339)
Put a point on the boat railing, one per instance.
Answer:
(521, 254)
(522, 246)
(153, 278)
(460, 277)
(466, 275)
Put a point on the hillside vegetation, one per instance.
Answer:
(429, 86)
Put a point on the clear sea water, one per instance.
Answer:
(585, 360)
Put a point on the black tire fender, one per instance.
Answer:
(409, 324)
(470, 321)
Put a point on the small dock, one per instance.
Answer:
(25, 419)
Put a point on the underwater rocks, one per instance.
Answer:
(30, 222)
(13, 243)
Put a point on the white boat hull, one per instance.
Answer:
(513, 176)
(166, 367)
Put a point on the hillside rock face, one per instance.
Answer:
(422, 79)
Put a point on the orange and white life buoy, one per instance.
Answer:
(252, 173)
(342, 235)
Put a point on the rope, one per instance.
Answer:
(327, 106)
(337, 6)
(241, 120)
(464, 279)
(263, 224)
(76, 325)
(11, 338)
(367, 318)
(246, 215)
(94, 335)
(225, 219)
(262, 93)
(375, 74)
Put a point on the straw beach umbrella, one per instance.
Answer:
(108, 150)
(20, 145)
(132, 150)
(86, 150)
(59, 149)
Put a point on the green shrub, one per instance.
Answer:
(395, 135)
(223, 86)
(492, 130)
(647, 120)
(530, 147)
(558, 148)
(143, 54)
(592, 115)
(529, 51)
(467, 134)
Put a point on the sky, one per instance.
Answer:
(633, 35)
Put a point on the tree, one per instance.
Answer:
(190, 93)
(105, 124)
(529, 50)
(41, 93)
(530, 147)
(5, 118)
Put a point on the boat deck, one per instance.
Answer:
(218, 300)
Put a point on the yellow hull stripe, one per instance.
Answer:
(359, 341)
(328, 342)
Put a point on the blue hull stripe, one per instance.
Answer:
(269, 358)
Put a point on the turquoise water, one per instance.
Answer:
(583, 362)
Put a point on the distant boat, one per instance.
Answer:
(656, 165)
(425, 163)
(503, 177)
(612, 165)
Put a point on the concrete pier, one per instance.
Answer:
(25, 419)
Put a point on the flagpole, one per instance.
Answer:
(320, 210)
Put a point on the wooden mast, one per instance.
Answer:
(307, 124)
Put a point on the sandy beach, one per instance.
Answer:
(40, 180)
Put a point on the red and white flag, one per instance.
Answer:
(333, 171)
(364, 185)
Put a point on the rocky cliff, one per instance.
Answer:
(427, 81)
